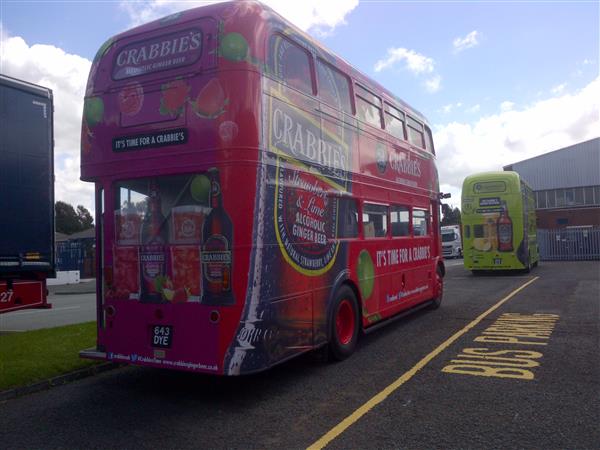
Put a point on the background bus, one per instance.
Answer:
(256, 196)
(498, 222)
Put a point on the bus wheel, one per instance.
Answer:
(343, 324)
(439, 285)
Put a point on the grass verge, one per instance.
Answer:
(33, 356)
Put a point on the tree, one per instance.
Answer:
(450, 216)
(68, 221)
(85, 218)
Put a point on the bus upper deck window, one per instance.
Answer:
(368, 107)
(429, 140)
(291, 64)
(394, 121)
(415, 132)
(334, 87)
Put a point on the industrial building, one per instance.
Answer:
(566, 184)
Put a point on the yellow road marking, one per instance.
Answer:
(381, 396)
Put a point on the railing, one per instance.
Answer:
(569, 244)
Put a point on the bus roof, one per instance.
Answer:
(252, 10)
(491, 182)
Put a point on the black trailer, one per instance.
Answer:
(26, 194)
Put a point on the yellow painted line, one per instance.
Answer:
(381, 396)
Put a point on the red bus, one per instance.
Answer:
(256, 196)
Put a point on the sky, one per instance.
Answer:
(499, 81)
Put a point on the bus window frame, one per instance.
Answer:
(362, 232)
(282, 80)
(429, 140)
(399, 208)
(359, 95)
(412, 127)
(390, 110)
(348, 79)
(427, 218)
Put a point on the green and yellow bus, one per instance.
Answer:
(498, 222)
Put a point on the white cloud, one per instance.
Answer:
(315, 15)
(66, 75)
(415, 62)
(469, 41)
(514, 135)
(474, 109)
(433, 84)
(559, 89)
(506, 106)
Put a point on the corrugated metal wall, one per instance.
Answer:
(574, 166)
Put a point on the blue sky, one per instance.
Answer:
(499, 81)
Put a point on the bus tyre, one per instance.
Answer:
(439, 286)
(343, 324)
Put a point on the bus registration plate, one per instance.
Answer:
(161, 336)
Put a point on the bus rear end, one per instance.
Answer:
(492, 222)
(170, 139)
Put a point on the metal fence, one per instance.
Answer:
(76, 255)
(569, 244)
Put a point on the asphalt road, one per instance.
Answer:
(492, 368)
(70, 304)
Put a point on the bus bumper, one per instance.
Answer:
(92, 353)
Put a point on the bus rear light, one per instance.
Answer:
(214, 316)
(111, 311)
(108, 275)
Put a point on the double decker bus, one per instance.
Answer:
(256, 196)
(498, 222)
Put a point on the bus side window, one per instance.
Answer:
(374, 220)
(467, 231)
(429, 140)
(415, 132)
(420, 221)
(368, 107)
(399, 219)
(334, 87)
(394, 121)
(478, 231)
(291, 64)
(348, 218)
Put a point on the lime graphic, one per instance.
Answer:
(200, 189)
(93, 111)
(366, 274)
(234, 47)
(103, 49)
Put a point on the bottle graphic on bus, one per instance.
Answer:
(217, 241)
(152, 252)
(505, 231)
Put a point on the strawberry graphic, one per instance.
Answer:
(131, 99)
(174, 96)
(210, 102)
